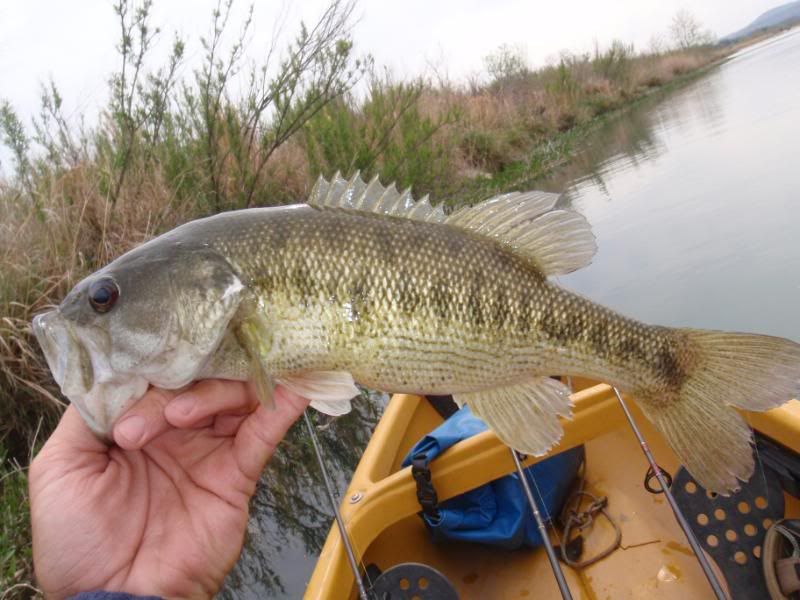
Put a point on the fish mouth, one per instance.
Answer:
(53, 338)
(82, 372)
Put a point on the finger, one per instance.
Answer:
(261, 432)
(144, 420)
(228, 425)
(208, 398)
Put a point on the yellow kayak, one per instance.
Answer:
(654, 559)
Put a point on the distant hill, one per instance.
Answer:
(780, 16)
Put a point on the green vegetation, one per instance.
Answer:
(15, 537)
(169, 148)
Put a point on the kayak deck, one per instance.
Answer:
(654, 560)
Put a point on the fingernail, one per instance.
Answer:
(182, 406)
(131, 429)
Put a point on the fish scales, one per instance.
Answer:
(385, 297)
(417, 307)
(363, 284)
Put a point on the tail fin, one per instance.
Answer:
(751, 372)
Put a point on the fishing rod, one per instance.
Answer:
(687, 530)
(351, 557)
(548, 545)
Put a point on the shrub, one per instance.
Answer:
(387, 133)
(615, 63)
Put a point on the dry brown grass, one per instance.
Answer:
(668, 67)
(502, 121)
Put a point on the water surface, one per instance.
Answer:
(695, 199)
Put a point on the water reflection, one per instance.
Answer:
(290, 515)
(629, 139)
(625, 135)
(693, 198)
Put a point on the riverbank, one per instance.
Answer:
(90, 196)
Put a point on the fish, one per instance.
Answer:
(363, 284)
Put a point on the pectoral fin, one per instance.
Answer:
(329, 391)
(523, 416)
(255, 337)
(264, 384)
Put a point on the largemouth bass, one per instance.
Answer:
(363, 284)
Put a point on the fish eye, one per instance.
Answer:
(103, 294)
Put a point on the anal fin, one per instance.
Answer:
(330, 392)
(524, 416)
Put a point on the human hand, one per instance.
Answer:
(164, 512)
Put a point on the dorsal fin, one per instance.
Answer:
(557, 241)
(373, 197)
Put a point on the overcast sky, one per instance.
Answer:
(73, 41)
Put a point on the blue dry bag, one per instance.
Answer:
(496, 513)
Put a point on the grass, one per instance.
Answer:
(15, 544)
(168, 149)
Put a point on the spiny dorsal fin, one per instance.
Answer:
(556, 241)
(373, 197)
(524, 416)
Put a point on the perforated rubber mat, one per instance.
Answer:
(731, 529)
(413, 581)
